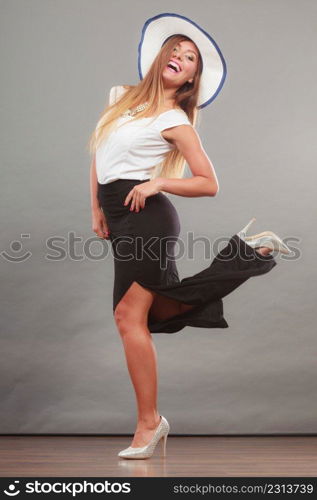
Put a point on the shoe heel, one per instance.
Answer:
(242, 233)
(245, 229)
(163, 441)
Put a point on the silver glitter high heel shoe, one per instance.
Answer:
(147, 451)
(264, 239)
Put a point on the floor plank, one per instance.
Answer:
(206, 456)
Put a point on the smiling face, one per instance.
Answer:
(182, 64)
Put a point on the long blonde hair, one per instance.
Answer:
(150, 89)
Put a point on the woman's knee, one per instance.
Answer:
(134, 306)
(122, 312)
(127, 316)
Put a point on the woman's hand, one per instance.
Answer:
(140, 192)
(99, 224)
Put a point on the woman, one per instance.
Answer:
(140, 146)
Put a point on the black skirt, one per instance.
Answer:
(143, 246)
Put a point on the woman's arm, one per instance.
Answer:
(99, 222)
(93, 185)
(204, 181)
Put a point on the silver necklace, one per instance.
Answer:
(134, 111)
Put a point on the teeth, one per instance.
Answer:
(174, 65)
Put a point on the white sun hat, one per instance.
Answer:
(158, 28)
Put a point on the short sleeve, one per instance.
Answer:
(171, 118)
(115, 93)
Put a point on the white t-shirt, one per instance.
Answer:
(133, 150)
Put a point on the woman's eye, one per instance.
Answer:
(189, 57)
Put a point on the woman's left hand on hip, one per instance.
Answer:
(140, 192)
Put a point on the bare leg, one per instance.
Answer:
(131, 318)
(264, 250)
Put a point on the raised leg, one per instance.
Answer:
(164, 307)
(263, 250)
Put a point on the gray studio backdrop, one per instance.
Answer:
(63, 364)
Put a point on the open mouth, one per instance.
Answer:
(173, 67)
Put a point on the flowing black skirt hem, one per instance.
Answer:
(232, 266)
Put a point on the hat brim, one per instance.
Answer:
(158, 28)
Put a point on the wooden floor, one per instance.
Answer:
(82, 456)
